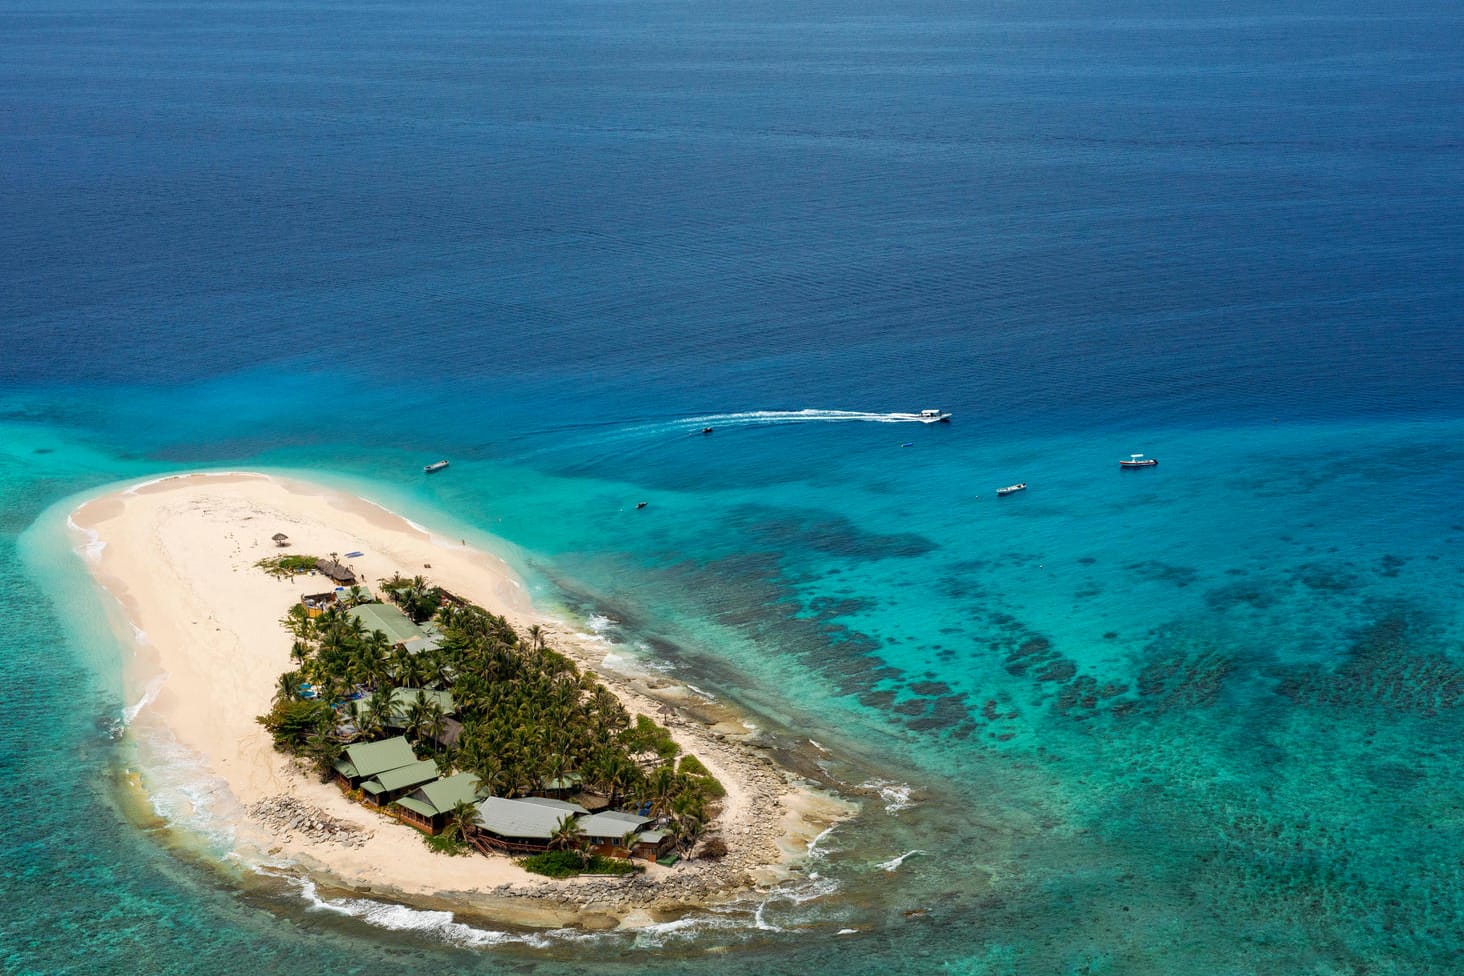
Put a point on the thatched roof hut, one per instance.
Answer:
(280, 539)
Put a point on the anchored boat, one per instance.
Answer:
(434, 466)
(1138, 461)
(1011, 489)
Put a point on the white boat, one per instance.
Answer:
(434, 466)
(1139, 461)
(1011, 489)
(934, 417)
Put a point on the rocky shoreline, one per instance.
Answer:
(287, 815)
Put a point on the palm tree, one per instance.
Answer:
(323, 751)
(287, 688)
(566, 837)
(434, 724)
(462, 820)
(377, 714)
(417, 714)
(536, 637)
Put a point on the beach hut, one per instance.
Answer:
(367, 759)
(280, 539)
(334, 570)
(427, 807)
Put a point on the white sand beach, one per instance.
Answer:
(179, 556)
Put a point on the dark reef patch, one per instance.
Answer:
(1180, 576)
(1327, 579)
(786, 531)
(1177, 676)
(1382, 669)
(1248, 594)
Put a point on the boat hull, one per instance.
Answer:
(1135, 465)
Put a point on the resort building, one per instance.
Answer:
(392, 784)
(524, 826)
(367, 759)
(402, 702)
(427, 807)
(397, 626)
(527, 825)
(605, 833)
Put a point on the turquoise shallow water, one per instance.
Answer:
(1197, 719)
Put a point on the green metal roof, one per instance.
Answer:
(405, 776)
(566, 782)
(371, 758)
(443, 794)
(397, 626)
(417, 806)
(563, 806)
(519, 818)
(611, 824)
(402, 700)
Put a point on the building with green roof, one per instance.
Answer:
(522, 825)
(364, 760)
(427, 807)
(385, 787)
(397, 626)
(402, 700)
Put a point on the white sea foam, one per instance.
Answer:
(92, 548)
(599, 623)
(762, 923)
(893, 864)
(705, 695)
(814, 853)
(400, 918)
(149, 695)
(684, 929)
(184, 792)
(846, 931)
(896, 796)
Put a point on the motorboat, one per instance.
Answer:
(1011, 489)
(934, 417)
(706, 430)
(1138, 461)
(434, 467)
(641, 504)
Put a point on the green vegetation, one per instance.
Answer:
(529, 717)
(417, 598)
(567, 864)
(292, 721)
(446, 844)
(288, 567)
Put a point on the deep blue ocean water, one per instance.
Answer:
(1201, 719)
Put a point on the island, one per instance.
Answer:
(371, 701)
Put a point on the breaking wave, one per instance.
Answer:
(896, 796)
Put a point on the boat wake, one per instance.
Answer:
(768, 418)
